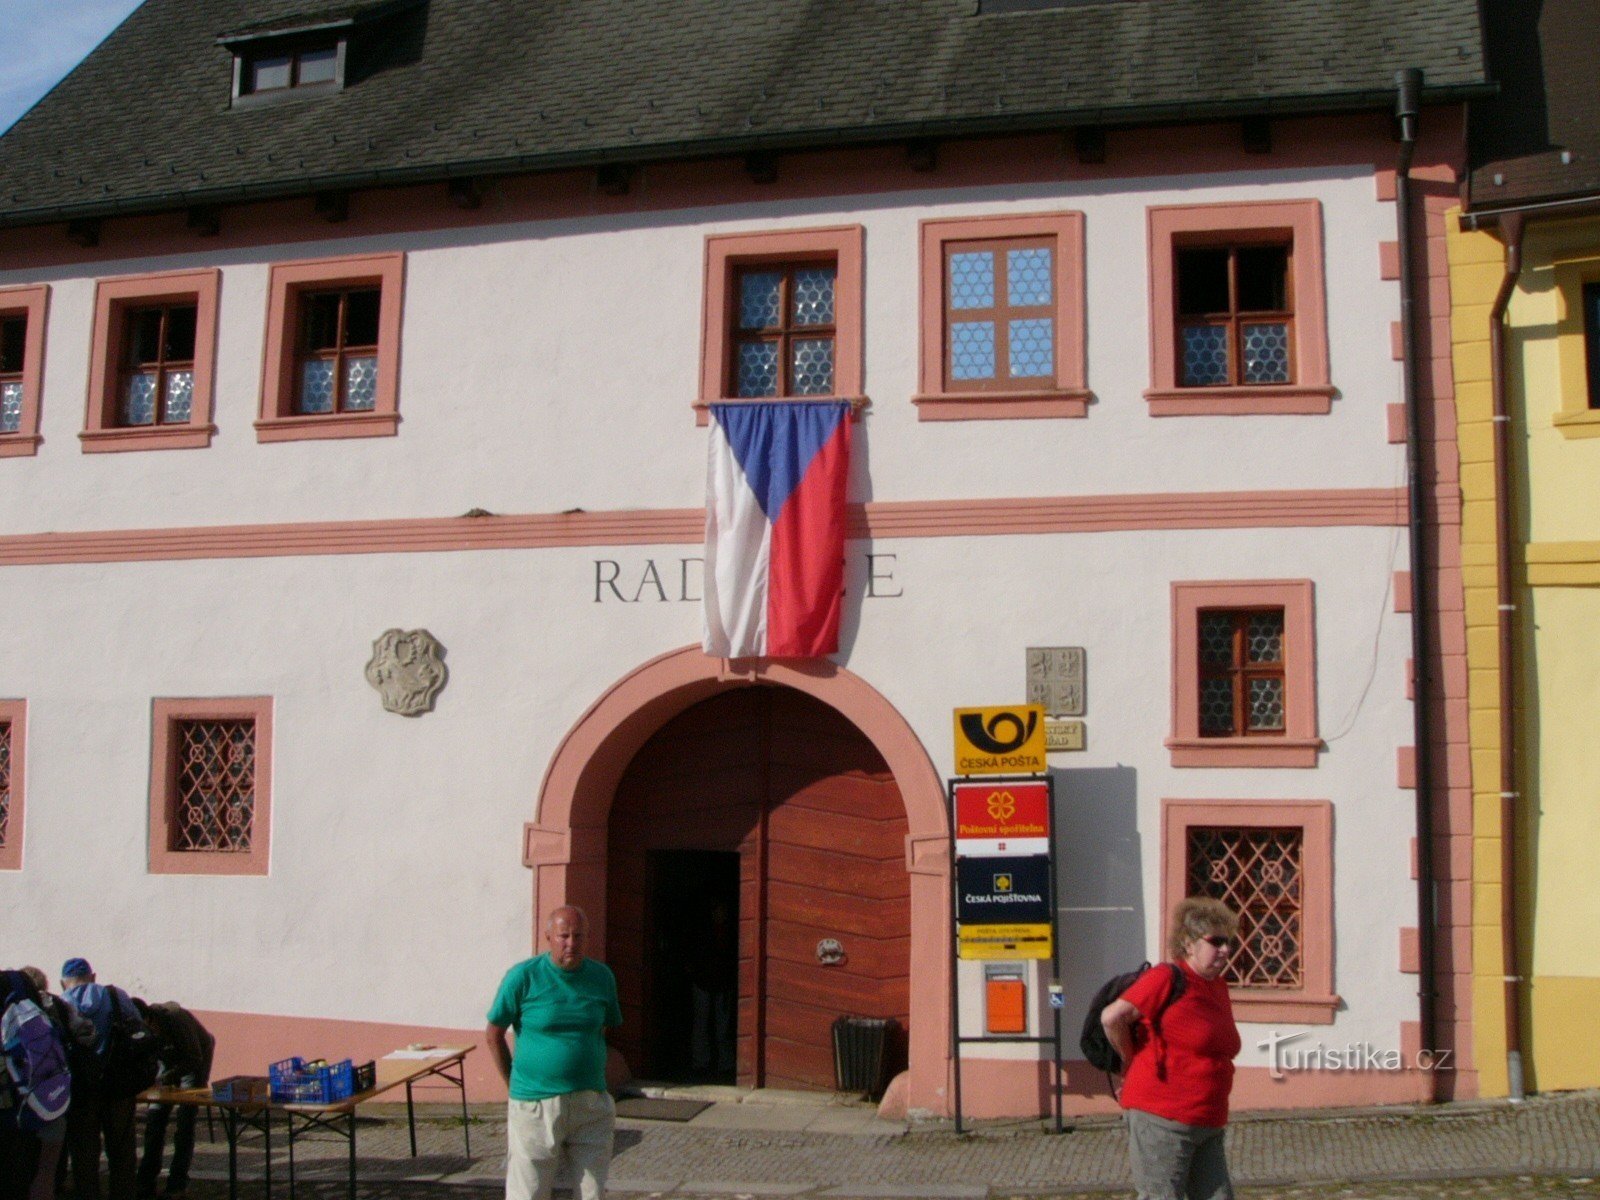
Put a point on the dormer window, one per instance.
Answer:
(300, 56)
(292, 69)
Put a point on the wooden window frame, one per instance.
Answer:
(288, 283)
(115, 301)
(1591, 339)
(247, 53)
(727, 254)
(1235, 317)
(1315, 1002)
(341, 349)
(161, 365)
(166, 717)
(32, 305)
(15, 714)
(1299, 745)
(785, 333)
(1241, 671)
(1295, 223)
(1577, 346)
(1066, 393)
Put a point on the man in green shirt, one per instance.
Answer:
(559, 1005)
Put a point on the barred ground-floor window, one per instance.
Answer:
(211, 772)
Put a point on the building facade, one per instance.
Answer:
(355, 463)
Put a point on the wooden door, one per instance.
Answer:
(819, 827)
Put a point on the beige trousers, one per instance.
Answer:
(539, 1132)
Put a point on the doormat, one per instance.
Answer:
(644, 1108)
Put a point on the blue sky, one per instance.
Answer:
(43, 40)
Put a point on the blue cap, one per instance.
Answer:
(75, 968)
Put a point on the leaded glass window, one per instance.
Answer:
(785, 330)
(214, 785)
(338, 343)
(1242, 677)
(156, 383)
(13, 342)
(1259, 874)
(999, 313)
(1235, 316)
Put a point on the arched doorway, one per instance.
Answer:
(566, 844)
(748, 831)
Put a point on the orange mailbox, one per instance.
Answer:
(1005, 998)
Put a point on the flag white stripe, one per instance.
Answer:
(738, 542)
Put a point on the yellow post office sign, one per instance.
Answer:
(1004, 941)
(1000, 741)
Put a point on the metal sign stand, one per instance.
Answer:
(956, 1038)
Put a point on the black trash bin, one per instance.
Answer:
(858, 1044)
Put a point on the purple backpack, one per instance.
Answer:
(36, 1062)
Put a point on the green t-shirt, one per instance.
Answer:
(557, 1017)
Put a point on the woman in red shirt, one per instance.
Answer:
(1179, 1068)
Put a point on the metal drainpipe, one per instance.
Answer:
(1511, 228)
(1408, 103)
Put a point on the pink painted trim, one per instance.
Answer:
(1397, 341)
(845, 245)
(163, 781)
(278, 422)
(987, 406)
(247, 1042)
(1389, 260)
(566, 842)
(1402, 591)
(938, 399)
(1410, 952)
(1300, 743)
(1170, 227)
(32, 303)
(1384, 183)
(1315, 1002)
(112, 300)
(15, 712)
(1355, 507)
(1405, 767)
(1396, 417)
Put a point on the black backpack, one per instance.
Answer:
(1094, 1043)
(133, 1052)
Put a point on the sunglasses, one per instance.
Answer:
(1220, 942)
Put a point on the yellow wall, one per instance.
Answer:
(1555, 461)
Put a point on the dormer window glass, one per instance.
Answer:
(301, 68)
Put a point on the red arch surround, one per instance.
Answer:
(566, 845)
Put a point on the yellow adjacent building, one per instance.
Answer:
(1525, 283)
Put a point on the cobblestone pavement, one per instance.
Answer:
(1546, 1147)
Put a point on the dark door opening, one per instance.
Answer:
(694, 965)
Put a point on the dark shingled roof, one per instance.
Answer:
(464, 87)
(1539, 139)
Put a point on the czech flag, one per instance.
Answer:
(775, 492)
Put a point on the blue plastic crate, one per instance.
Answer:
(293, 1082)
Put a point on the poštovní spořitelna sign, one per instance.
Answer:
(1007, 740)
(1002, 819)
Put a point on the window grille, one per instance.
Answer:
(214, 797)
(5, 781)
(1257, 873)
(785, 330)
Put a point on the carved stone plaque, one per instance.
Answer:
(1063, 735)
(407, 667)
(1056, 679)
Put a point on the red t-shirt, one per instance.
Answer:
(1196, 1049)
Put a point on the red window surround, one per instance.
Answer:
(289, 286)
(171, 783)
(1299, 743)
(1314, 1002)
(28, 304)
(1062, 393)
(727, 254)
(1296, 223)
(14, 724)
(115, 301)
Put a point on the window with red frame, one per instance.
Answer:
(1241, 661)
(5, 783)
(337, 362)
(1259, 874)
(1235, 315)
(214, 785)
(784, 333)
(999, 313)
(13, 342)
(155, 385)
